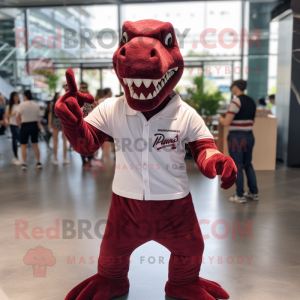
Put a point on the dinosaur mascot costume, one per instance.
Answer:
(151, 198)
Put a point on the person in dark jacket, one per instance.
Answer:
(240, 118)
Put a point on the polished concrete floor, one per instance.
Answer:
(262, 264)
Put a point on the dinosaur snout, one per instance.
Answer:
(143, 57)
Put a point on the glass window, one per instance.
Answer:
(199, 19)
(209, 33)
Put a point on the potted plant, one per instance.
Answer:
(51, 78)
(205, 103)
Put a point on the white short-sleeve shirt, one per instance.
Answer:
(13, 120)
(150, 154)
(29, 111)
(234, 108)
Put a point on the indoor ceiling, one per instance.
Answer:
(39, 3)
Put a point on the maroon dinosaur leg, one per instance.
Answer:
(184, 239)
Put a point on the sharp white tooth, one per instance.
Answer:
(124, 80)
(154, 94)
(147, 82)
(159, 88)
(159, 80)
(149, 96)
(135, 96)
(142, 97)
(129, 81)
(172, 73)
(155, 82)
(138, 82)
(175, 69)
(162, 84)
(166, 80)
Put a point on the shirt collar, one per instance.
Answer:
(128, 110)
(169, 112)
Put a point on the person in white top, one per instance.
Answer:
(29, 121)
(151, 196)
(10, 114)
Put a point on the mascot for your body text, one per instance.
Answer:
(152, 201)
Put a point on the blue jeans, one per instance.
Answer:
(15, 132)
(241, 145)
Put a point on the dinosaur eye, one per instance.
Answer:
(124, 37)
(169, 39)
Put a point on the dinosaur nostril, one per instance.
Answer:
(123, 52)
(153, 53)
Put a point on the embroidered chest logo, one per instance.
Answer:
(162, 142)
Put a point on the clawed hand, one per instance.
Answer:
(68, 106)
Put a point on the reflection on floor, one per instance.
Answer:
(251, 249)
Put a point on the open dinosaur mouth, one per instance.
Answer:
(146, 89)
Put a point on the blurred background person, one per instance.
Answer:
(10, 115)
(99, 95)
(54, 123)
(3, 123)
(84, 87)
(86, 109)
(262, 103)
(107, 93)
(66, 89)
(65, 86)
(2, 100)
(262, 109)
(240, 118)
(272, 104)
(45, 122)
(28, 119)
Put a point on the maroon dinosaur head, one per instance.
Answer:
(148, 63)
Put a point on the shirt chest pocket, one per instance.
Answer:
(166, 135)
